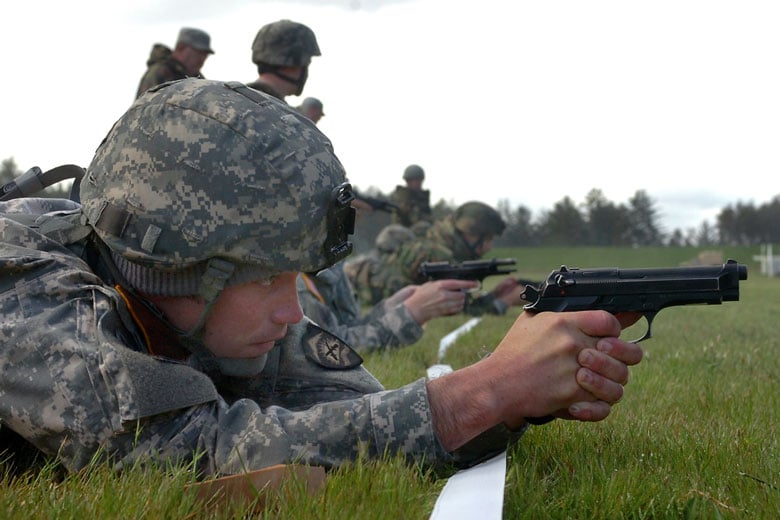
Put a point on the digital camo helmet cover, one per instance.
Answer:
(478, 218)
(285, 43)
(200, 169)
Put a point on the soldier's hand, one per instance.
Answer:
(438, 298)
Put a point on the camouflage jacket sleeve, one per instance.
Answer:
(384, 327)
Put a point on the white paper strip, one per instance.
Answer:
(476, 492)
(450, 338)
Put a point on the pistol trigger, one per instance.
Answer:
(649, 316)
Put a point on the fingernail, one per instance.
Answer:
(586, 358)
(604, 345)
(574, 408)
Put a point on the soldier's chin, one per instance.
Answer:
(242, 367)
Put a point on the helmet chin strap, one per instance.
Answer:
(299, 82)
(213, 281)
(472, 247)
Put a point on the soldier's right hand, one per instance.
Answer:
(570, 365)
(438, 298)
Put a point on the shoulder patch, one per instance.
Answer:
(329, 351)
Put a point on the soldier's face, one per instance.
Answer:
(193, 60)
(246, 319)
(485, 246)
(414, 184)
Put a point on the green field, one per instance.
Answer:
(694, 437)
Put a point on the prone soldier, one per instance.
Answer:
(161, 322)
(465, 235)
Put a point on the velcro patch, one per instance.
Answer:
(327, 350)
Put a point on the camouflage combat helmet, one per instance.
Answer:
(203, 174)
(285, 43)
(414, 171)
(478, 218)
(392, 236)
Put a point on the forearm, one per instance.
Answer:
(383, 327)
(462, 405)
(232, 439)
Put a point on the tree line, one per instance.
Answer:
(597, 221)
(601, 222)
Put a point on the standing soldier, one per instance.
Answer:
(414, 202)
(193, 46)
(282, 51)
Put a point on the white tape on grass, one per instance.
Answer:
(476, 492)
(450, 338)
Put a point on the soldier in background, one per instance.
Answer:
(414, 202)
(327, 298)
(365, 271)
(282, 51)
(311, 107)
(467, 234)
(192, 48)
(163, 325)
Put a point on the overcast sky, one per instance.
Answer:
(496, 99)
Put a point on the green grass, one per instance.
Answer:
(694, 437)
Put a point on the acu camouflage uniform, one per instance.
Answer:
(442, 243)
(86, 367)
(328, 299)
(415, 206)
(366, 271)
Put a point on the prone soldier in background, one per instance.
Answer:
(414, 204)
(328, 298)
(467, 234)
(161, 318)
(365, 271)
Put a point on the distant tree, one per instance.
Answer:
(563, 225)
(770, 217)
(691, 237)
(747, 224)
(643, 220)
(727, 226)
(519, 227)
(706, 235)
(608, 224)
(676, 238)
(8, 170)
